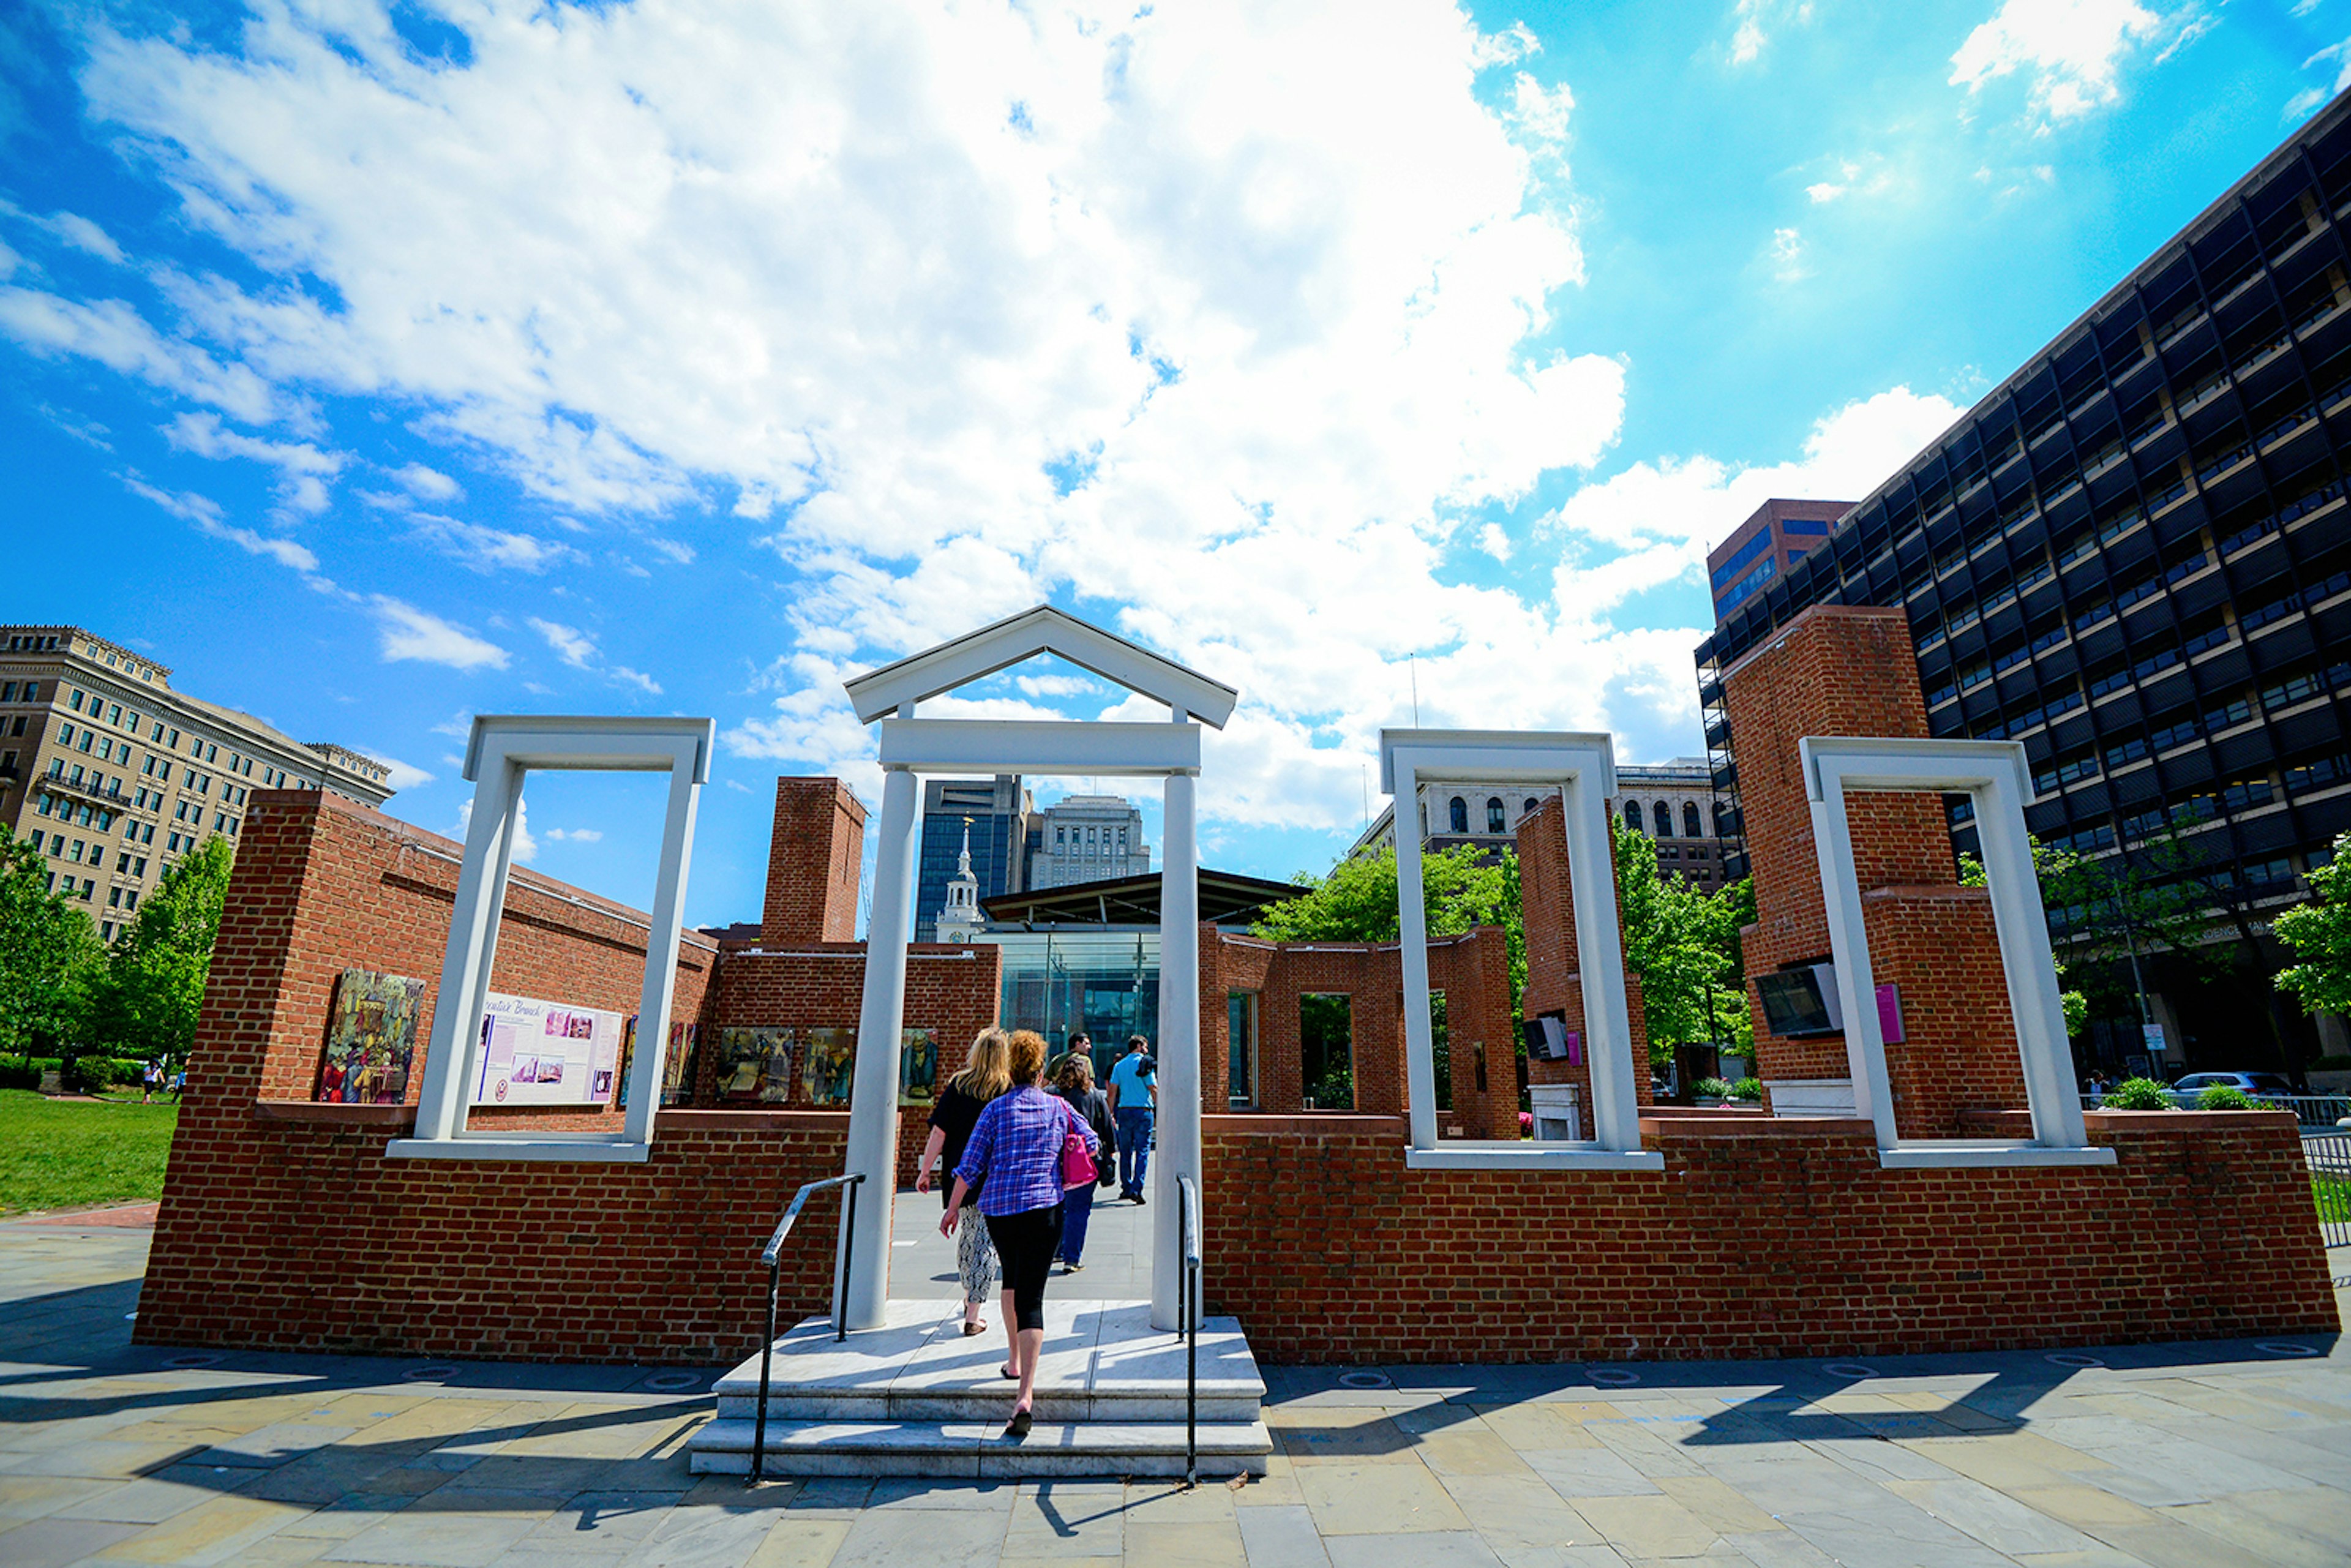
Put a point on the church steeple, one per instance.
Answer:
(961, 920)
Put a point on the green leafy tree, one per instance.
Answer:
(1356, 902)
(145, 1002)
(2067, 881)
(2319, 932)
(48, 953)
(1682, 943)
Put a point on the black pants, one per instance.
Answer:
(1025, 1245)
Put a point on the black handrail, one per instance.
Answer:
(772, 1256)
(1188, 1322)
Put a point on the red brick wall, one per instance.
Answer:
(950, 988)
(1472, 970)
(1555, 976)
(1761, 1238)
(1840, 670)
(816, 858)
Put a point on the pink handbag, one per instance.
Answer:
(1077, 1163)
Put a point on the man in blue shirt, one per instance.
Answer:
(1133, 1095)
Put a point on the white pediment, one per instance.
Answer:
(877, 694)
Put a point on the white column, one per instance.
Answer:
(1179, 1048)
(472, 951)
(2022, 927)
(1412, 932)
(873, 1092)
(662, 944)
(1600, 962)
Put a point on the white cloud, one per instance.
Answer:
(1542, 113)
(428, 483)
(303, 469)
(1494, 541)
(1757, 19)
(573, 646)
(486, 549)
(116, 335)
(85, 236)
(525, 846)
(1788, 256)
(206, 514)
(2070, 50)
(575, 836)
(404, 775)
(407, 632)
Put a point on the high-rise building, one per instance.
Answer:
(1085, 837)
(1673, 803)
(1760, 549)
(995, 811)
(2133, 555)
(116, 775)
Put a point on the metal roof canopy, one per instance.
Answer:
(1043, 630)
(1135, 899)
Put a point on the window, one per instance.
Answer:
(212, 753)
(113, 900)
(1531, 804)
(76, 703)
(1240, 1049)
(1326, 1052)
(8, 691)
(32, 693)
(1691, 826)
(75, 853)
(114, 714)
(1494, 814)
(1457, 815)
(130, 899)
(1662, 815)
(1633, 815)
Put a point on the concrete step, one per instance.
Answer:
(980, 1451)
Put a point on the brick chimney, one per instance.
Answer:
(815, 862)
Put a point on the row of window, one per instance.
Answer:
(1662, 813)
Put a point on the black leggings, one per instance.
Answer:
(1025, 1245)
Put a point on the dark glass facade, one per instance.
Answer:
(993, 810)
(2133, 556)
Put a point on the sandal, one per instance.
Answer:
(970, 1327)
(1007, 1372)
(1018, 1426)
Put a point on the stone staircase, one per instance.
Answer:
(916, 1397)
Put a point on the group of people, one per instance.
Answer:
(1027, 1161)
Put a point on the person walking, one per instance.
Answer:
(1134, 1096)
(151, 1082)
(1075, 1084)
(1017, 1156)
(984, 1076)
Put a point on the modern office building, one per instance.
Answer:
(1673, 803)
(116, 775)
(1085, 837)
(1765, 546)
(2132, 555)
(995, 811)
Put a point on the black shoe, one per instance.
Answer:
(1140, 1198)
(1018, 1426)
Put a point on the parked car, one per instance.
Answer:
(2257, 1085)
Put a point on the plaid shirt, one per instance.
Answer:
(1016, 1147)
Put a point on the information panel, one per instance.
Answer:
(547, 1053)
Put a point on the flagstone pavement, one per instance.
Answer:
(2211, 1454)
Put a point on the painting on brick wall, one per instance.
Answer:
(370, 1037)
(827, 1063)
(755, 1066)
(918, 1066)
(677, 1066)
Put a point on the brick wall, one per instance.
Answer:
(1761, 1238)
(816, 858)
(1844, 671)
(1471, 970)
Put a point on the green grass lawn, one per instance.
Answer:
(2334, 1195)
(69, 1153)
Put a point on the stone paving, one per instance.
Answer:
(2205, 1454)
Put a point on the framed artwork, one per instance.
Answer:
(918, 1066)
(827, 1067)
(371, 1039)
(677, 1066)
(755, 1066)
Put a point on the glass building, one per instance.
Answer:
(2133, 556)
(1104, 981)
(994, 809)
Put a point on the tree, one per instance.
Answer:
(2319, 932)
(2066, 882)
(48, 952)
(1682, 943)
(145, 1002)
(1356, 902)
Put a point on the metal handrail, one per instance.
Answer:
(772, 1256)
(1187, 1321)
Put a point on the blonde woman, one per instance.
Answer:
(986, 1074)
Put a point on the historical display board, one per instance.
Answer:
(371, 1039)
(755, 1066)
(536, 1053)
(827, 1063)
(918, 1066)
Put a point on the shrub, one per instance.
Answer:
(2330, 1064)
(20, 1072)
(96, 1074)
(1750, 1087)
(1713, 1088)
(2224, 1097)
(2137, 1095)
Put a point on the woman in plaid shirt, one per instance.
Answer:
(1015, 1157)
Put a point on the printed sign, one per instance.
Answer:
(546, 1054)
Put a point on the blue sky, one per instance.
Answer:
(376, 367)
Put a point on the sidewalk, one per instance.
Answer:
(2201, 1455)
